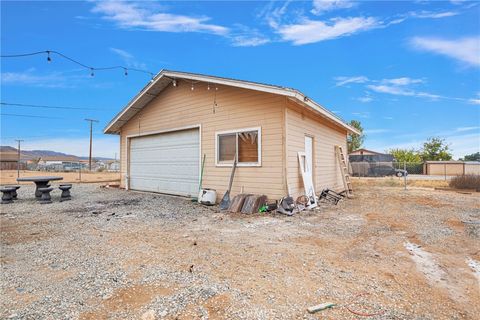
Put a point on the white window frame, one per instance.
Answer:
(239, 164)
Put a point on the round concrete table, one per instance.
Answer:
(40, 182)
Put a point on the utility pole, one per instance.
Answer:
(18, 158)
(90, 154)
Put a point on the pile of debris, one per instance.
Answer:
(251, 203)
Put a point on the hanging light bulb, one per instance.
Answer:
(192, 86)
(92, 73)
(208, 86)
(174, 83)
(48, 57)
(126, 71)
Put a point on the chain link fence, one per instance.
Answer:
(383, 169)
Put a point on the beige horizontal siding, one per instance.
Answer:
(236, 108)
(299, 123)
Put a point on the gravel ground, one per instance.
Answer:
(113, 254)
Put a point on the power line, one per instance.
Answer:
(83, 65)
(44, 106)
(28, 116)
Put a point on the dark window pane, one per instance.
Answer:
(226, 147)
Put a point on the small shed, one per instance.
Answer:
(444, 168)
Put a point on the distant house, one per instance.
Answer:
(365, 155)
(57, 160)
(362, 162)
(112, 165)
(177, 118)
(8, 160)
(361, 152)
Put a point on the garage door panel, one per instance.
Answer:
(166, 162)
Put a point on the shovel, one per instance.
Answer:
(225, 203)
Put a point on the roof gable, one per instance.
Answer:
(165, 78)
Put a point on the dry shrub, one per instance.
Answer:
(467, 181)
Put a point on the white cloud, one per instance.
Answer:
(462, 129)
(321, 6)
(128, 58)
(362, 114)
(404, 81)
(365, 99)
(139, 15)
(244, 36)
(402, 91)
(433, 15)
(103, 146)
(122, 53)
(391, 90)
(32, 78)
(403, 86)
(466, 50)
(341, 81)
(310, 31)
(246, 41)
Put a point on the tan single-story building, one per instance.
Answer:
(167, 128)
(451, 168)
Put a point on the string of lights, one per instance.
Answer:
(92, 69)
(28, 116)
(44, 106)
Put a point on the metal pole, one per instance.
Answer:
(445, 170)
(18, 158)
(405, 175)
(90, 153)
(79, 171)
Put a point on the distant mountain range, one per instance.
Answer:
(44, 153)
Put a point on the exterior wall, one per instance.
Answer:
(450, 169)
(472, 168)
(178, 107)
(11, 165)
(327, 174)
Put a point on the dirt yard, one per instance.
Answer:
(114, 254)
(10, 176)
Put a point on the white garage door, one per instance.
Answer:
(167, 163)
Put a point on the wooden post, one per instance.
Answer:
(18, 158)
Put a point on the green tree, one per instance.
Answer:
(471, 157)
(435, 149)
(405, 155)
(355, 141)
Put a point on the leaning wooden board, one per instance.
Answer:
(253, 203)
(237, 203)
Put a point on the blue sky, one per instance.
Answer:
(406, 70)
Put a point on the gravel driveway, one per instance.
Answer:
(113, 254)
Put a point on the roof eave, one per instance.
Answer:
(229, 82)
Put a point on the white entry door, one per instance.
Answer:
(309, 156)
(166, 162)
